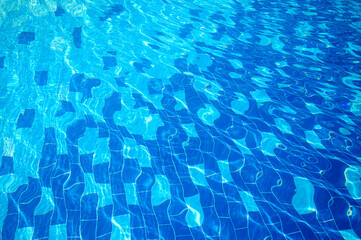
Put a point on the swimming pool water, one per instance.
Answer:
(180, 119)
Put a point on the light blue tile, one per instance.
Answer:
(269, 143)
(314, 140)
(121, 227)
(131, 194)
(224, 168)
(198, 175)
(209, 114)
(353, 181)
(248, 201)
(160, 190)
(57, 232)
(303, 201)
(24, 233)
(195, 213)
(46, 203)
(240, 105)
(102, 151)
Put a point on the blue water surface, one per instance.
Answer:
(180, 119)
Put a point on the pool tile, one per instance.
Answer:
(26, 119)
(26, 37)
(2, 62)
(77, 34)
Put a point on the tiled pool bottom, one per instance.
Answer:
(172, 119)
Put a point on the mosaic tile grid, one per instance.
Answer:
(175, 119)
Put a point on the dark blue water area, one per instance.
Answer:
(180, 120)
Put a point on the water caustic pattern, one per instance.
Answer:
(179, 119)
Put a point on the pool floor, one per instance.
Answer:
(180, 119)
